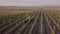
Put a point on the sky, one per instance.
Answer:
(29, 2)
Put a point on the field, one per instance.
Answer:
(43, 21)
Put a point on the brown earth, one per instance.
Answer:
(6, 12)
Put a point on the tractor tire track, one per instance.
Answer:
(53, 26)
(45, 27)
(36, 28)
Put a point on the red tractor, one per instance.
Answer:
(27, 19)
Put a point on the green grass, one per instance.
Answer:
(7, 21)
(30, 31)
(55, 23)
(41, 24)
(24, 26)
(48, 23)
